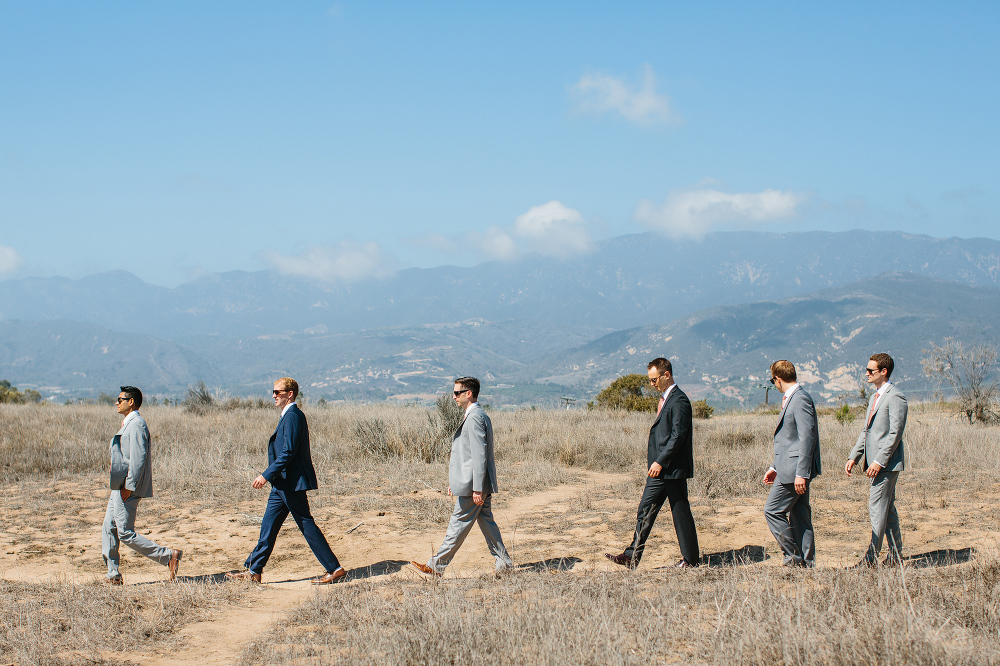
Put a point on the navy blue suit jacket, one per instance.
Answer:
(289, 463)
(670, 438)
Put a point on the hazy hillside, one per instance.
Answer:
(720, 352)
(829, 335)
(629, 281)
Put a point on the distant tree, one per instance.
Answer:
(106, 399)
(10, 394)
(198, 399)
(631, 393)
(700, 409)
(968, 372)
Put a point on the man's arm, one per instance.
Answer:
(477, 451)
(680, 427)
(137, 440)
(896, 408)
(286, 446)
(808, 431)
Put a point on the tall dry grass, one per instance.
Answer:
(365, 447)
(759, 615)
(60, 623)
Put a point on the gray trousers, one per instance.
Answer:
(885, 520)
(466, 515)
(789, 517)
(119, 526)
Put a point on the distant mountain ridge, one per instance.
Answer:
(628, 281)
(541, 326)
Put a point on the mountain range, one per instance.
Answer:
(533, 328)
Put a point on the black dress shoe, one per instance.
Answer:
(684, 564)
(623, 560)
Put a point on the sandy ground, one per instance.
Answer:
(52, 532)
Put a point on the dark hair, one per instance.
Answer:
(783, 370)
(661, 364)
(884, 363)
(132, 393)
(469, 384)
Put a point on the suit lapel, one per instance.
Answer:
(784, 407)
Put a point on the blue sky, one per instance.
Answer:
(346, 140)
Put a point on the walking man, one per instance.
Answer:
(796, 463)
(880, 449)
(131, 472)
(472, 479)
(291, 474)
(670, 462)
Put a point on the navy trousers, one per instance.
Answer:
(279, 504)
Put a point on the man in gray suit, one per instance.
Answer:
(880, 446)
(131, 480)
(796, 462)
(472, 479)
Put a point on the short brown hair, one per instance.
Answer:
(884, 363)
(288, 384)
(661, 364)
(469, 384)
(783, 370)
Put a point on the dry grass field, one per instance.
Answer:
(570, 482)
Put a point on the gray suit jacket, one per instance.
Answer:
(472, 468)
(130, 458)
(882, 439)
(796, 439)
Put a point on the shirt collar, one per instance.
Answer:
(791, 390)
(471, 406)
(885, 387)
(287, 407)
(133, 415)
(667, 392)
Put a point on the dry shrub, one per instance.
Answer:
(61, 623)
(752, 615)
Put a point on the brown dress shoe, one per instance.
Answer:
(684, 564)
(623, 560)
(330, 577)
(175, 561)
(426, 569)
(244, 576)
(114, 581)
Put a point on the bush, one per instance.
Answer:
(631, 393)
(844, 414)
(700, 409)
(10, 394)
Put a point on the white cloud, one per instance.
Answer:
(10, 260)
(346, 261)
(552, 229)
(600, 93)
(694, 213)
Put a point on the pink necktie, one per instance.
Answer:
(871, 412)
(659, 407)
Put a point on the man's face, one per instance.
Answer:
(463, 396)
(282, 398)
(874, 375)
(124, 404)
(658, 381)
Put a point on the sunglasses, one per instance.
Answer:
(869, 371)
(458, 393)
(771, 381)
(121, 400)
(277, 392)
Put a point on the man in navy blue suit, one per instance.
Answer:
(290, 473)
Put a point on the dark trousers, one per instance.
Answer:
(279, 504)
(657, 490)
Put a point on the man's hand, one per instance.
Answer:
(873, 470)
(449, 492)
(125, 493)
(259, 482)
(654, 470)
(801, 485)
(477, 498)
(848, 467)
(771, 475)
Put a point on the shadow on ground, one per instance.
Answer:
(735, 558)
(940, 558)
(551, 564)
